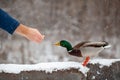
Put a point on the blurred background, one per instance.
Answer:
(72, 20)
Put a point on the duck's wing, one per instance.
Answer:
(77, 46)
(92, 44)
(96, 44)
(91, 48)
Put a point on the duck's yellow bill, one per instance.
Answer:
(57, 44)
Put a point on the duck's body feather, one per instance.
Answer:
(75, 52)
(91, 51)
(88, 48)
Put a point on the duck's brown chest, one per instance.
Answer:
(75, 52)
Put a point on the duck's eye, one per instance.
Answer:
(63, 45)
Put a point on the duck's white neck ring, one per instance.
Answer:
(69, 50)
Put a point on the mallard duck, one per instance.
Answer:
(85, 49)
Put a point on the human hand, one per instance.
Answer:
(34, 35)
(30, 33)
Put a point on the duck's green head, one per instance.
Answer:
(64, 43)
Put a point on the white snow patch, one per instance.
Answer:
(101, 66)
(47, 67)
(103, 62)
(98, 72)
(93, 77)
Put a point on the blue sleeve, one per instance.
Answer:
(8, 23)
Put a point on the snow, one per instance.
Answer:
(47, 67)
(103, 62)
(98, 72)
(93, 77)
(54, 66)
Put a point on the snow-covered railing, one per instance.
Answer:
(97, 69)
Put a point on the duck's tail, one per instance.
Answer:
(107, 45)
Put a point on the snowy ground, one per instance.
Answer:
(47, 67)
(53, 66)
